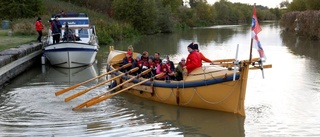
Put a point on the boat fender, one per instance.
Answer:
(178, 96)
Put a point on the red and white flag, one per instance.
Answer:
(255, 29)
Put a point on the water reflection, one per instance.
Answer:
(301, 46)
(69, 76)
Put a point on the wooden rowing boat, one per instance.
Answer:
(208, 87)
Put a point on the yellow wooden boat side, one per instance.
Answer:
(209, 87)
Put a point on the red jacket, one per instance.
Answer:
(193, 61)
(39, 26)
(204, 58)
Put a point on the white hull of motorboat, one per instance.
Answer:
(71, 54)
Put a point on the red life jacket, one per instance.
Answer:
(144, 59)
(146, 64)
(151, 65)
(157, 61)
(165, 68)
(129, 60)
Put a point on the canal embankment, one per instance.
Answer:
(15, 61)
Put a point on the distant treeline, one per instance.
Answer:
(121, 19)
(153, 16)
(303, 16)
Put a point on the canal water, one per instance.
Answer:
(285, 103)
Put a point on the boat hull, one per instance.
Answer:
(207, 87)
(71, 55)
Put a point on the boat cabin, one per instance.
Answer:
(75, 28)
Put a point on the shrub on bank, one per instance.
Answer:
(305, 23)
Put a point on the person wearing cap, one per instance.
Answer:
(137, 63)
(56, 30)
(39, 28)
(179, 69)
(203, 58)
(193, 60)
(163, 67)
(127, 59)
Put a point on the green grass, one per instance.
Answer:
(14, 41)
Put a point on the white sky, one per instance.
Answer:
(268, 3)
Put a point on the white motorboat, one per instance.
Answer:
(78, 44)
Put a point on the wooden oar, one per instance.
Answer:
(264, 66)
(93, 102)
(79, 84)
(98, 85)
(85, 103)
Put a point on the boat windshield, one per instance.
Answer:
(83, 33)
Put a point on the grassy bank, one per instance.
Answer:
(108, 30)
(14, 41)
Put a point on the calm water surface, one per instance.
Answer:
(285, 103)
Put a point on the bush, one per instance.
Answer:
(306, 23)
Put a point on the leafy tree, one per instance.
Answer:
(284, 4)
(142, 14)
(194, 3)
(297, 5)
(313, 4)
(174, 4)
(11, 9)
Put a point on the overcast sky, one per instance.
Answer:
(268, 3)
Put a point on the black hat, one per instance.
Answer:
(196, 46)
(191, 45)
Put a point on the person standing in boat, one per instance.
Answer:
(203, 58)
(39, 28)
(56, 30)
(193, 59)
(127, 59)
(179, 69)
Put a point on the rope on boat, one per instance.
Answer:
(189, 99)
(217, 102)
(166, 98)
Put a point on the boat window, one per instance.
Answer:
(83, 33)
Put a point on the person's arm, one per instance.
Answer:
(204, 58)
(158, 71)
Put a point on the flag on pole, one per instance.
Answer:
(255, 29)
(257, 45)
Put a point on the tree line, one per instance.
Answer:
(121, 19)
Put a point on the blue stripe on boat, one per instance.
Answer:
(181, 84)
